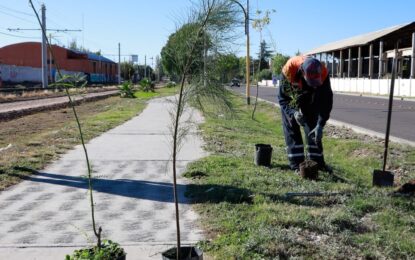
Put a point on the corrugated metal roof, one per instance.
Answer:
(356, 40)
(93, 56)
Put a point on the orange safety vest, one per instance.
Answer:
(291, 68)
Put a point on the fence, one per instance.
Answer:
(403, 87)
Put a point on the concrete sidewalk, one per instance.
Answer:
(48, 215)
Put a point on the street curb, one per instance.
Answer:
(358, 129)
(13, 114)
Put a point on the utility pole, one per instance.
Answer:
(119, 63)
(51, 58)
(248, 88)
(248, 62)
(145, 66)
(44, 53)
(204, 60)
(44, 50)
(152, 65)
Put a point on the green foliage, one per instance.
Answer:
(278, 61)
(227, 67)
(126, 90)
(146, 85)
(265, 74)
(108, 251)
(127, 70)
(176, 53)
(144, 71)
(264, 55)
(171, 84)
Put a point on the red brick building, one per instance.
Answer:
(22, 62)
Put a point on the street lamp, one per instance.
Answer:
(246, 14)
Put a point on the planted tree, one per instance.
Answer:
(259, 24)
(183, 55)
(105, 250)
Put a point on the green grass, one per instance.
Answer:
(149, 94)
(247, 215)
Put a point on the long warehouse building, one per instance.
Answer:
(363, 63)
(21, 62)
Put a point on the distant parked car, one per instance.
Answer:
(235, 83)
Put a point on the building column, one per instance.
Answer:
(349, 64)
(413, 57)
(371, 61)
(380, 59)
(333, 63)
(321, 56)
(359, 62)
(341, 64)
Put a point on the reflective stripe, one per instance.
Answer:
(298, 146)
(291, 155)
(315, 154)
(313, 146)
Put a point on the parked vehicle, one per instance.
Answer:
(235, 83)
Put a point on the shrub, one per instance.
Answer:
(265, 74)
(108, 251)
(126, 90)
(146, 85)
(171, 84)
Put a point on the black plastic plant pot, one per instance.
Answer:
(263, 154)
(382, 178)
(186, 253)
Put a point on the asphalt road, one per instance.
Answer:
(365, 112)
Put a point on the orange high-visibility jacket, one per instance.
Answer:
(292, 67)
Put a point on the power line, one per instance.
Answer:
(18, 36)
(16, 11)
(15, 16)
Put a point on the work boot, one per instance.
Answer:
(325, 168)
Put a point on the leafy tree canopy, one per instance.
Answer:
(175, 54)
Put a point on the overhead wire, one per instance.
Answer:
(19, 36)
(17, 17)
(16, 11)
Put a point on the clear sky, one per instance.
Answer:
(142, 27)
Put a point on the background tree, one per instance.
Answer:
(264, 55)
(227, 67)
(159, 69)
(73, 45)
(127, 70)
(175, 53)
(278, 61)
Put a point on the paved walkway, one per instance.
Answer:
(46, 216)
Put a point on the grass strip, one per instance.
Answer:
(247, 215)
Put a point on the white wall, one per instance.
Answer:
(20, 74)
(403, 87)
(266, 83)
(17, 74)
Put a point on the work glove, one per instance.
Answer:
(316, 134)
(298, 116)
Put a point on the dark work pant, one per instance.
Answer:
(295, 145)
